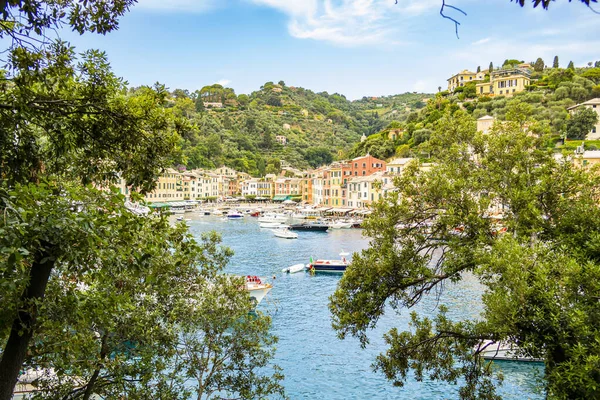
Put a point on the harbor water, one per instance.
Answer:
(316, 364)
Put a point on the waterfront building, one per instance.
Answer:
(166, 187)
(505, 82)
(364, 190)
(363, 166)
(287, 189)
(249, 187)
(464, 77)
(593, 104)
(397, 165)
(317, 186)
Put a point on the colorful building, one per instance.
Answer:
(464, 77)
(505, 82)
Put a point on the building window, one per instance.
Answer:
(501, 92)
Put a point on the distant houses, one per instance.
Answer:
(501, 82)
(464, 77)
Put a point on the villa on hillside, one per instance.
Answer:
(464, 77)
(505, 82)
(593, 104)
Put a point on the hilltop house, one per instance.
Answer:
(484, 124)
(505, 82)
(464, 77)
(594, 104)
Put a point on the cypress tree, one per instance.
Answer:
(478, 69)
(539, 65)
(555, 63)
(491, 67)
(571, 65)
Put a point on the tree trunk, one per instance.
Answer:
(89, 389)
(22, 327)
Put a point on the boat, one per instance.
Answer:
(309, 226)
(273, 225)
(340, 225)
(273, 217)
(329, 265)
(257, 288)
(285, 233)
(294, 268)
(179, 218)
(255, 214)
(233, 214)
(307, 213)
(503, 351)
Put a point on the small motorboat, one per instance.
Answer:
(233, 214)
(257, 288)
(273, 217)
(329, 265)
(273, 225)
(310, 226)
(294, 268)
(255, 214)
(285, 233)
(503, 351)
(179, 218)
(340, 225)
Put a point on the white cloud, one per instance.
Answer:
(349, 22)
(481, 41)
(224, 82)
(178, 5)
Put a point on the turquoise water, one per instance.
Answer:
(316, 364)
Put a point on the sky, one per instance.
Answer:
(353, 47)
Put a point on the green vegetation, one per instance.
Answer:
(541, 279)
(318, 127)
(545, 103)
(107, 303)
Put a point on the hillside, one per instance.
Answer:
(544, 104)
(218, 127)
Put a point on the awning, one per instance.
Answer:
(159, 205)
(281, 197)
(321, 209)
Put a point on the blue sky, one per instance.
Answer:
(353, 47)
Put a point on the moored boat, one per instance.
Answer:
(294, 268)
(285, 233)
(257, 288)
(273, 225)
(329, 265)
(233, 214)
(340, 225)
(309, 226)
(272, 217)
(503, 351)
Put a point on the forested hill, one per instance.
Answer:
(242, 134)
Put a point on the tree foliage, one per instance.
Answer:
(581, 123)
(436, 229)
(96, 298)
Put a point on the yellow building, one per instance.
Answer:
(594, 105)
(464, 77)
(588, 158)
(505, 82)
(168, 187)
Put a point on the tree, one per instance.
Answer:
(597, 64)
(317, 156)
(88, 288)
(539, 65)
(555, 62)
(491, 67)
(478, 69)
(435, 229)
(581, 123)
(571, 66)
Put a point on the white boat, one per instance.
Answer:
(217, 212)
(257, 288)
(503, 351)
(179, 218)
(294, 268)
(234, 214)
(285, 233)
(340, 225)
(307, 213)
(273, 225)
(273, 217)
